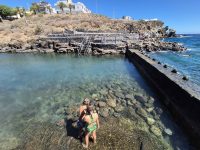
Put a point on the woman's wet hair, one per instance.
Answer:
(86, 100)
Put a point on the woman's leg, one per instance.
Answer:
(94, 136)
(86, 140)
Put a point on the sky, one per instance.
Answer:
(181, 15)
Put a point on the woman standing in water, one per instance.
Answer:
(92, 123)
(82, 112)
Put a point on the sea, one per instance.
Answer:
(187, 62)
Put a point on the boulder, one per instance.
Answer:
(111, 102)
(150, 121)
(150, 109)
(104, 112)
(156, 131)
(151, 100)
(119, 108)
(140, 99)
(119, 95)
(60, 111)
(117, 115)
(94, 96)
(101, 104)
(129, 96)
(103, 92)
(142, 112)
(168, 131)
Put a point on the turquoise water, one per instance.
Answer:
(34, 87)
(187, 62)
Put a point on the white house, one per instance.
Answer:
(127, 18)
(44, 7)
(77, 7)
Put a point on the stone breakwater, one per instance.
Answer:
(48, 45)
(179, 95)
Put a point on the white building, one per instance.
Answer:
(127, 18)
(44, 7)
(77, 7)
(154, 19)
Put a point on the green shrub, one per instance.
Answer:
(38, 30)
(7, 11)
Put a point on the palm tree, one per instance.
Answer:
(70, 6)
(35, 8)
(50, 9)
(61, 5)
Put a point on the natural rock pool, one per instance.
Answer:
(36, 89)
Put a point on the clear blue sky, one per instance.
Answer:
(182, 15)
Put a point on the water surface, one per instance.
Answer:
(34, 87)
(187, 62)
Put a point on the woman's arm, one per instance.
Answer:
(98, 125)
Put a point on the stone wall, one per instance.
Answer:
(181, 97)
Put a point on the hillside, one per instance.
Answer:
(27, 30)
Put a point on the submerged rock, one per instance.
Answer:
(119, 95)
(101, 104)
(119, 108)
(168, 131)
(150, 121)
(140, 99)
(104, 112)
(111, 102)
(142, 112)
(155, 130)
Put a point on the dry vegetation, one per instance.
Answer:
(30, 28)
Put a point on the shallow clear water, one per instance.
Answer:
(34, 87)
(187, 62)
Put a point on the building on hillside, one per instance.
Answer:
(44, 7)
(155, 19)
(76, 7)
(127, 18)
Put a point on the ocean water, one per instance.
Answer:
(187, 62)
(33, 87)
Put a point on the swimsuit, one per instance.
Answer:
(92, 126)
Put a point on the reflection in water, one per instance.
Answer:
(34, 87)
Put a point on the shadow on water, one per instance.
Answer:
(71, 130)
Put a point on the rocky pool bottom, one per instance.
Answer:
(44, 89)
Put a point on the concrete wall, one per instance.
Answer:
(181, 97)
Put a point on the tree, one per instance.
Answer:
(35, 8)
(7, 11)
(61, 5)
(20, 11)
(70, 6)
(50, 9)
